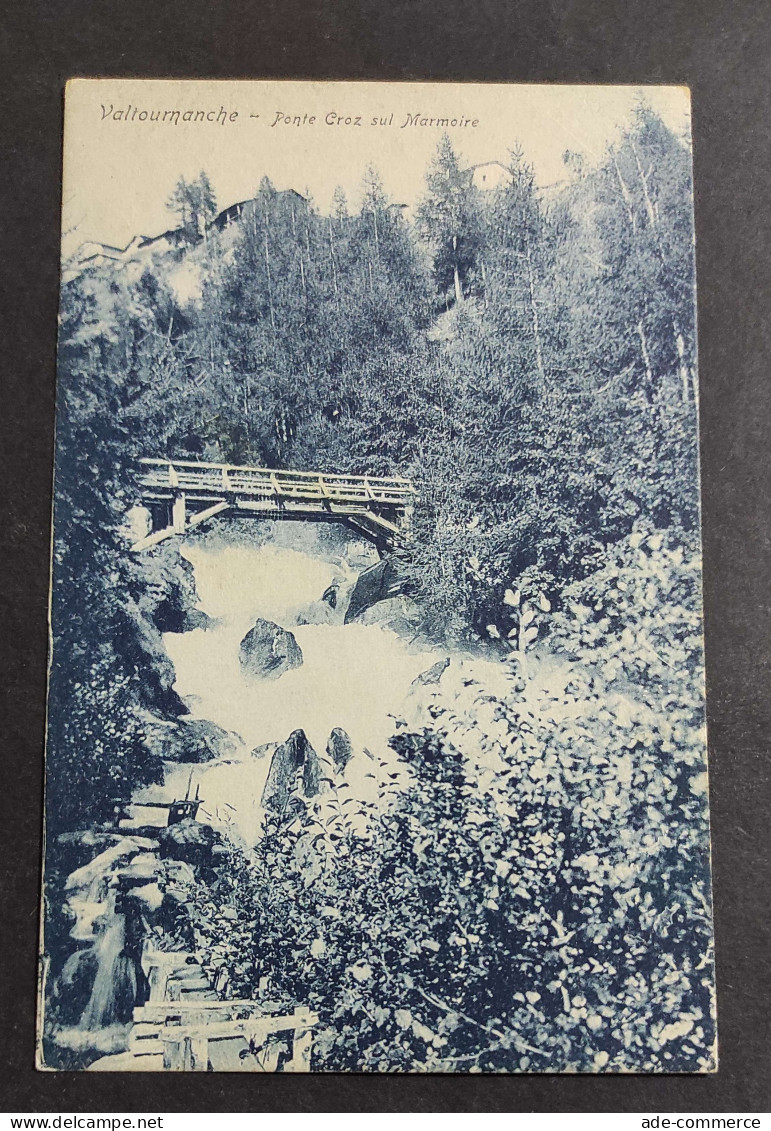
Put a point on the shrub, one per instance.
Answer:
(537, 898)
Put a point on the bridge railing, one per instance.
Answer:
(189, 476)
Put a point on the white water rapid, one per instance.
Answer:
(353, 676)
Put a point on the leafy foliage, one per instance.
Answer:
(539, 894)
(108, 665)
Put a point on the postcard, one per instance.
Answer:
(376, 732)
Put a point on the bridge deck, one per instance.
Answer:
(193, 492)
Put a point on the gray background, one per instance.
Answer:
(722, 51)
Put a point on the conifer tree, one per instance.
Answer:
(448, 219)
(194, 203)
(516, 258)
(339, 205)
(206, 201)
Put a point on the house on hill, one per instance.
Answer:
(490, 175)
(95, 254)
(165, 241)
(229, 215)
(141, 248)
(244, 208)
(91, 254)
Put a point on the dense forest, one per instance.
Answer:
(528, 360)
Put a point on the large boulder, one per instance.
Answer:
(379, 582)
(143, 646)
(398, 614)
(169, 617)
(268, 650)
(188, 841)
(339, 748)
(292, 760)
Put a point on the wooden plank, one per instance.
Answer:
(145, 1039)
(158, 1011)
(173, 474)
(207, 493)
(256, 1028)
(153, 539)
(190, 985)
(376, 520)
(196, 466)
(168, 957)
(189, 991)
(199, 1054)
(315, 505)
(210, 512)
(302, 1047)
(174, 1054)
(265, 506)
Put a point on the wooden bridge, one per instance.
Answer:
(179, 495)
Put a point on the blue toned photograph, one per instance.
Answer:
(376, 730)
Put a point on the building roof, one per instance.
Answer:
(92, 250)
(483, 164)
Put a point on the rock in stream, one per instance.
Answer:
(292, 759)
(379, 582)
(268, 650)
(339, 748)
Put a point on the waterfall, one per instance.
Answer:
(115, 976)
(354, 676)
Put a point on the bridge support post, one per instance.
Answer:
(178, 514)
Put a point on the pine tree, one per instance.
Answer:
(195, 204)
(339, 205)
(516, 260)
(180, 203)
(448, 219)
(207, 202)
